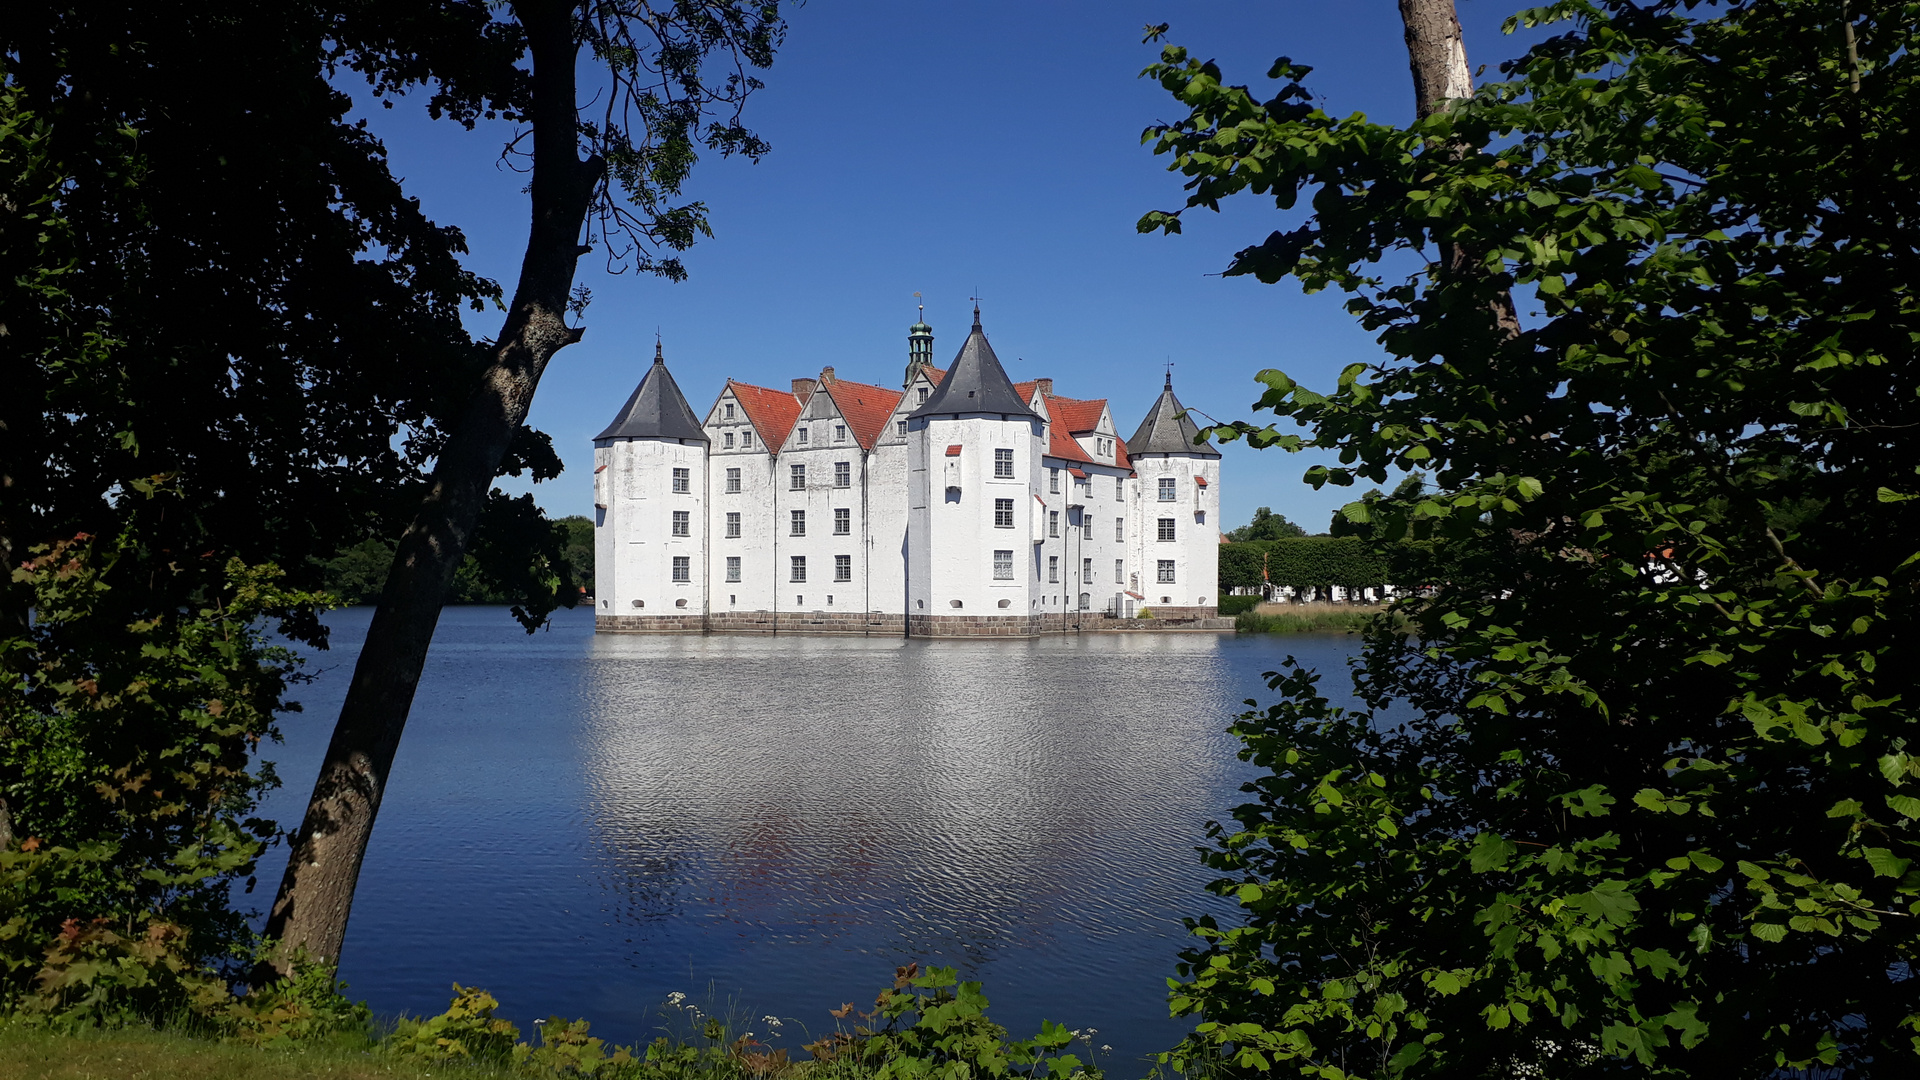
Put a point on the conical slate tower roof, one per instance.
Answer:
(1168, 430)
(975, 383)
(657, 410)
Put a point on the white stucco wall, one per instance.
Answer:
(634, 544)
(1195, 548)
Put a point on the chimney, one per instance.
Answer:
(1046, 386)
(826, 377)
(804, 388)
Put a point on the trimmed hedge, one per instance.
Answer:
(1234, 605)
(1302, 562)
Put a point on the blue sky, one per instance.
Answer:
(956, 149)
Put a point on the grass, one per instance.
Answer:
(1305, 618)
(143, 1054)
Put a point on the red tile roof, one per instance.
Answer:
(867, 408)
(935, 374)
(954, 450)
(773, 412)
(1065, 446)
(1075, 415)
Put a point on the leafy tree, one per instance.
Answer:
(607, 167)
(1647, 801)
(1266, 525)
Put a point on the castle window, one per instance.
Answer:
(1086, 526)
(1003, 464)
(1199, 517)
(680, 521)
(839, 433)
(1003, 513)
(796, 478)
(842, 521)
(733, 525)
(726, 411)
(900, 428)
(799, 523)
(1003, 566)
(733, 568)
(682, 568)
(682, 481)
(1166, 571)
(799, 565)
(1167, 485)
(1119, 530)
(746, 440)
(802, 435)
(842, 474)
(1086, 573)
(1053, 481)
(726, 441)
(923, 395)
(1053, 523)
(842, 569)
(733, 481)
(1119, 487)
(1119, 571)
(1166, 529)
(1053, 568)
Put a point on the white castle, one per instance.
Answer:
(961, 505)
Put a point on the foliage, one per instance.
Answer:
(467, 1031)
(1647, 802)
(358, 573)
(129, 739)
(304, 1008)
(1312, 619)
(1235, 605)
(934, 1025)
(1266, 525)
(1305, 562)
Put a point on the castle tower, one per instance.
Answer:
(1174, 523)
(973, 456)
(919, 348)
(650, 517)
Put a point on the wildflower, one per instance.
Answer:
(674, 999)
(1105, 1049)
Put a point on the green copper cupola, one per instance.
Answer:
(919, 346)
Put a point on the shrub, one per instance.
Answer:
(1234, 605)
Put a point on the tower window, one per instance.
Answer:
(799, 523)
(1086, 526)
(680, 522)
(733, 568)
(1053, 523)
(682, 568)
(1003, 464)
(799, 568)
(1119, 571)
(842, 521)
(842, 474)
(733, 481)
(1167, 486)
(1199, 517)
(1003, 566)
(796, 478)
(1166, 571)
(1086, 571)
(682, 481)
(1053, 481)
(1003, 513)
(746, 439)
(1119, 530)
(733, 525)
(1119, 487)
(1053, 568)
(842, 568)
(1166, 529)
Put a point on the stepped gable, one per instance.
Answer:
(657, 410)
(773, 412)
(976, 383)
(866, 408)
(1168, 430)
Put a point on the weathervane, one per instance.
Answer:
(1169, 372)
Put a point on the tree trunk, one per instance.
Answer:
(1436, 52)
(316, 894)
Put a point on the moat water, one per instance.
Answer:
(585, 824)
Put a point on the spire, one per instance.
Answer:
(1168, 429)
(976, 383)
(919, 346)
(657, 409)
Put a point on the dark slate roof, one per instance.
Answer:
(657, 410)
(975, 383)
(1168, 430)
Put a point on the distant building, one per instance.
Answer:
(960, 505)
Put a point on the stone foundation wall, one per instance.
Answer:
(649, 624)
(807, 622)
(1174, 614)
(960, 626)
(927, 626)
